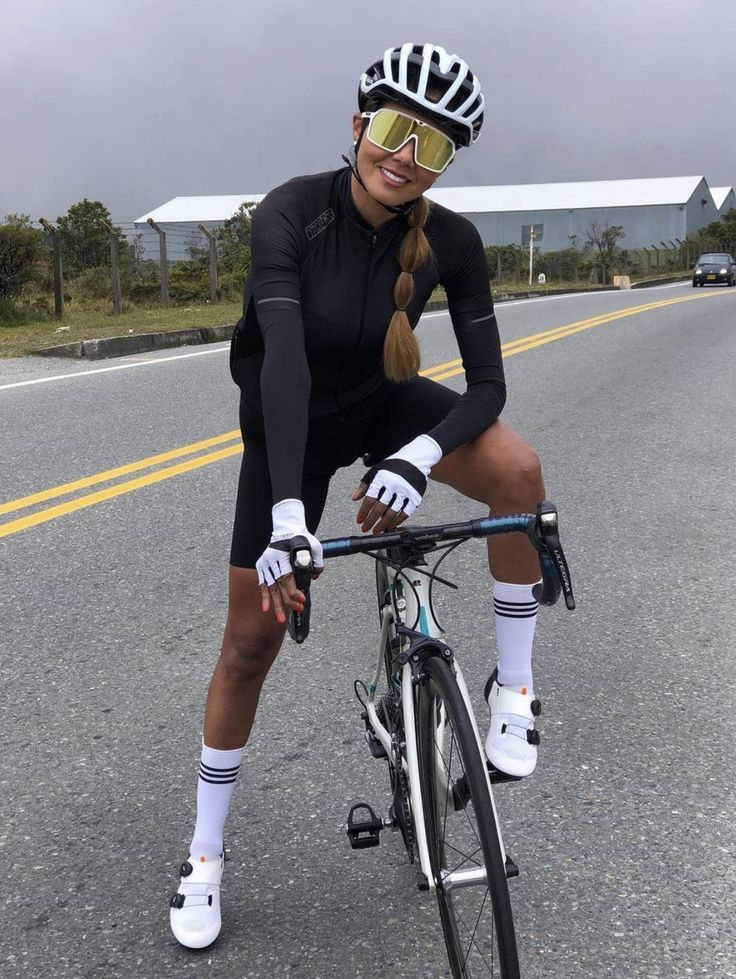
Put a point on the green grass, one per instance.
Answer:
(94, 321)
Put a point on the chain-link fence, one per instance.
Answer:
(131, 264)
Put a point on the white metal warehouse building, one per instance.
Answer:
(652, 211)
(724, 198)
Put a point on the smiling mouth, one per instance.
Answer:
(394, 178)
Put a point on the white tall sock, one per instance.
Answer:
(218, 771)
(516, 617)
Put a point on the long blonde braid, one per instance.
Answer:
(401, 358)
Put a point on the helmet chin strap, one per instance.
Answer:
(353, 164)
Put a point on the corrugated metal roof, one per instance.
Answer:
(474, 200)
(567, 196)
(719, 195)
(198, 210)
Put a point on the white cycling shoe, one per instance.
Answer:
(511, 745)
(195, 908)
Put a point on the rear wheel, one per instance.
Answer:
(464, 847)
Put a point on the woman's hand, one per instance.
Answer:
(275, 574)
(392, 490)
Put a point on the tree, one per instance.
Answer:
(722, 232)
(85, 238)
(233, 240)
(20, 247)
(605, 238)
(507, 259)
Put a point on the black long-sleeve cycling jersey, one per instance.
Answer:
(317, 305)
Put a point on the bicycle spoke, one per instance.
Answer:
(473, 943)
(466, 858)
(451, 785)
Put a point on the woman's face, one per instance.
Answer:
(392, 178)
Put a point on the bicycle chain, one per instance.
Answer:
(402, 808)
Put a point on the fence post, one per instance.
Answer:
(163, 260)
(58, 271)
(213, 259)
(117, 300)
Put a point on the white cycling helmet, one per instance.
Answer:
(409, 73)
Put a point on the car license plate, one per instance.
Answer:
(709, 277)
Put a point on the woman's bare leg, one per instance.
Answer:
(500, 470)
(250, 645)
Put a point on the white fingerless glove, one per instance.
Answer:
(401, 480)
(288, 522)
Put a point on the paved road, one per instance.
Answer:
(110, 617)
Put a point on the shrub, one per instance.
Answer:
(15, 314)
(20, 247)
(230, 285)
(188, 280)
(141, 281)
(93, 283)
(233, 240)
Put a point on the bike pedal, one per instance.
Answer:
(498, 776)
(363, 833)
(511, 869)
(371, 739)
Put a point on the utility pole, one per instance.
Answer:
(58, 274)
(532, 236)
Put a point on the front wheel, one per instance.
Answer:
(464, 847)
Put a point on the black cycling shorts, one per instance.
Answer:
(379, 425)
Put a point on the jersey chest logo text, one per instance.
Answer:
(319, 224)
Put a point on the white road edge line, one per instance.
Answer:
(117, 367)
(567, 295)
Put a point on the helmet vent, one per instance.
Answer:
(421, 77)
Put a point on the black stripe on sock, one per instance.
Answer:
(218, 781)
(497, 601)
(218, 771)
(516, 615)
(214, 777)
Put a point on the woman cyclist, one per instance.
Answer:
(343, 264)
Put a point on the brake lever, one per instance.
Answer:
(301, 563)
(544, 533)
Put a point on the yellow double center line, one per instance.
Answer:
(233, 444)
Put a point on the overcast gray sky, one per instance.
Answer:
(134, 102)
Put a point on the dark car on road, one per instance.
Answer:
(714, 267)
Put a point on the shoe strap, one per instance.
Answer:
(504, 700)
(197, 895)
(203, 871)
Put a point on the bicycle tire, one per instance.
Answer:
(389, 700)
(471, 952)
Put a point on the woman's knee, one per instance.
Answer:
(248, 653)
(514, 470)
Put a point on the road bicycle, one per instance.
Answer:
(419, 719)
